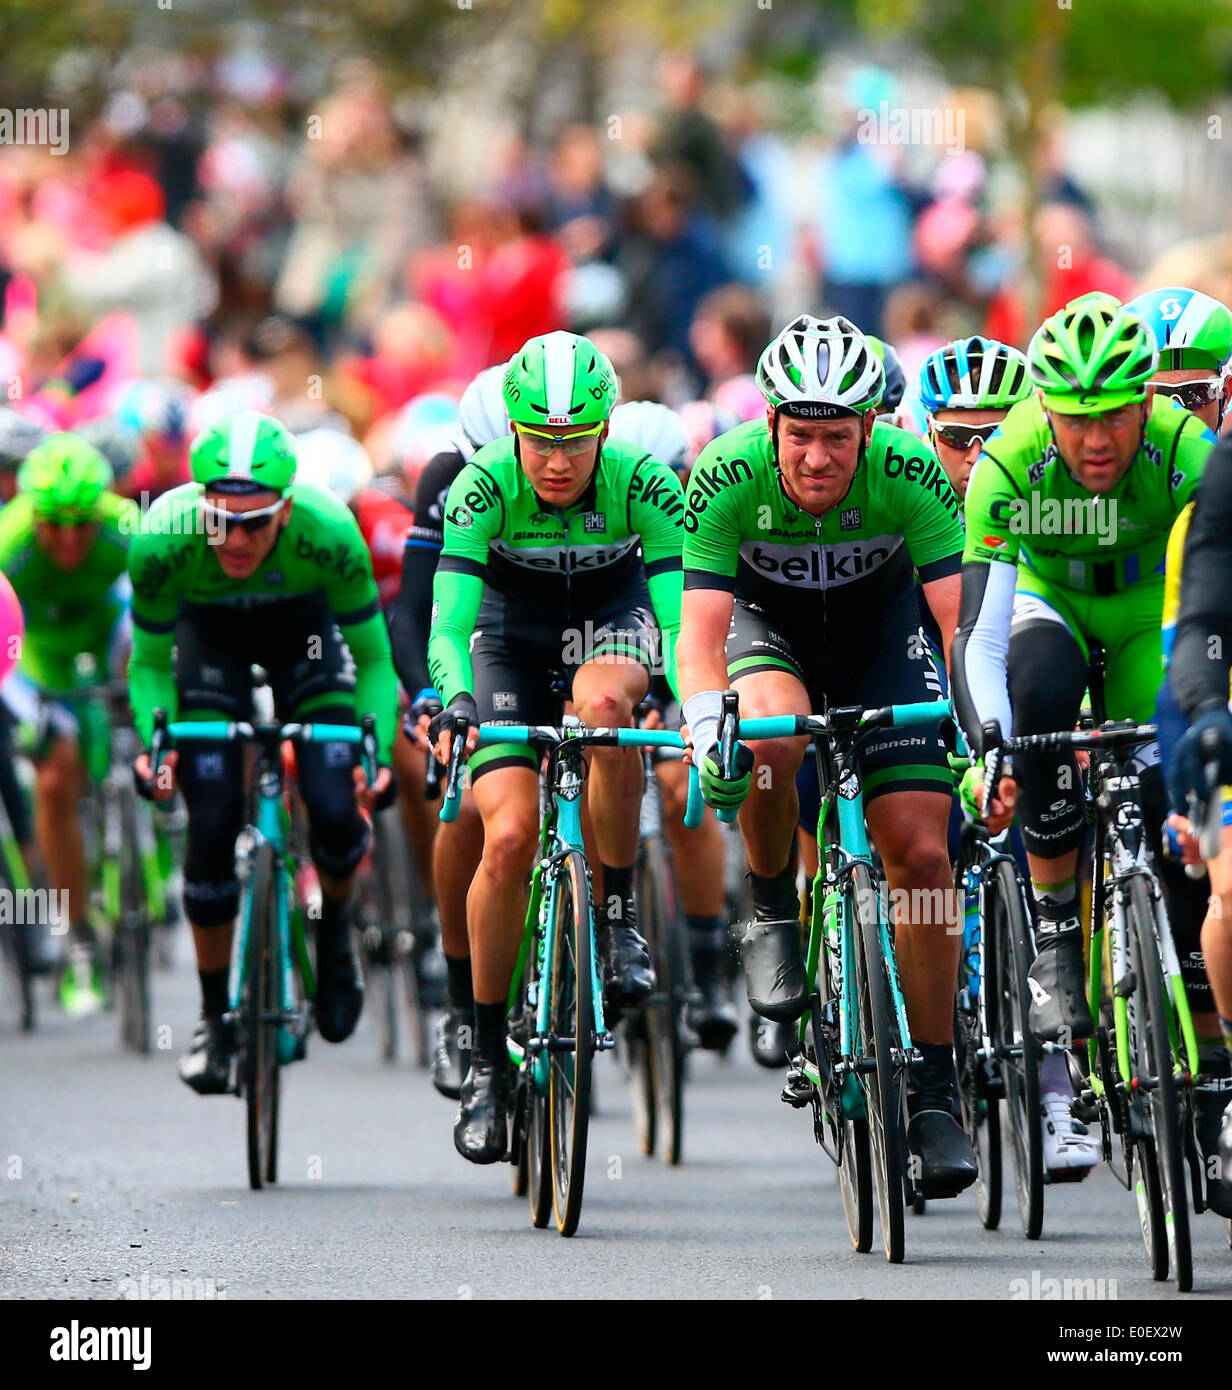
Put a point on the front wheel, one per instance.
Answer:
(259, 1014)
(1155, 1063)
(883, 1084)
(1018, 1052)
(571, 1038)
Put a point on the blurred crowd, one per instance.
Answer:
(210, 242)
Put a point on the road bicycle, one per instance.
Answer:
(272, 981)
(854, 1039)
(557, 1021)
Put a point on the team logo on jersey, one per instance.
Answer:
(1037, 471)
(460, 516)
(994, 542)
(850, 519)
(504, 700)
(595, 523)
(275, 577)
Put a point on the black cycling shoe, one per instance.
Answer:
(481, 1131)
(628, 976)
(773, 1044)
(711, 1015)
(206, 1066)
(774, 968)
(450, 1060)
(340, 985)
(943, 1161)
(1211, 1098)
(1057, 980)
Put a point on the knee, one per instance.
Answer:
(509, 847)
(918, 862)
(775, 764)
(606, 709)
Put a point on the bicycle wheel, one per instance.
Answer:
(883, 1084)
(259, 1011)
(570, 980)
(132, 928)
(641, 1082)
(1148, 1195)
(16, 943)
(664, 1010)
(1017, 1050)
(1155, 1060)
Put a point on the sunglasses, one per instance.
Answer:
(575, 445)
(64, 524)
(251, 522)
(1111, 419)
(963, 436)
(1191, 395)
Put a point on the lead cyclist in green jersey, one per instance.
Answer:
(562, 552)
(804, 535)
(243, 567)
(1068, 515)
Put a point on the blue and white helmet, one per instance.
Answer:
(1191, 328)
(974, 374)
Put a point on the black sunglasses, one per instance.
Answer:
(1191, 395)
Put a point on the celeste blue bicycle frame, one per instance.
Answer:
(269, 826)
(560, 831)
(831, 928)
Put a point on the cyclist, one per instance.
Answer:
(541, 570)
(1194, 335)
(1068, 515)
(63, 546)
(800, 528)
(966, 388)
(458, 846)
(1202, 762)
(244, 566)
(18, 436)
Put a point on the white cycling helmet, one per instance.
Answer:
(653, 427)
(481, 410)
(332, 461)
(819, 369)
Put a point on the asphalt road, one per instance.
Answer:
(114, 1176)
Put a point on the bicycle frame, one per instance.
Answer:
(268, 826)
(560, 831)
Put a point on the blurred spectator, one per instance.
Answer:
(581, 209)
(148, 268)
(412, 351)
(729, 330)
(1073, 265)
(638, 378)
(671, 258)
(688, 138)
(911, 324)
(865, 220)
(359, 205)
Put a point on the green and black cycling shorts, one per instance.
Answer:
(890, 662)
(523, 667)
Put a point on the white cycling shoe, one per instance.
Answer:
(1070, 1149)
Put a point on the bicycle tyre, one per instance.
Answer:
(883, 1085)
(132, 930)
(644, 1103)
(258, 1010)
(1150, 1201)
(1017, 1049)
(570, 1015)
(664, 1010)
(855, 1167)
(1165, 1102)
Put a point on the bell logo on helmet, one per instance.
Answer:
(560, 419)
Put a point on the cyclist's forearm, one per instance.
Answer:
(412, 616)
(151, 684)
(456, 597)
(978, 661)
(376, 685)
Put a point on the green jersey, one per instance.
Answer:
(557, 566)
(319, 551)
(1024, 506)
(824, 575)
(67, 612)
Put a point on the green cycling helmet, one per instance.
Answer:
(559, 379)
(246, 452)
(64, 478)
(1095, 354)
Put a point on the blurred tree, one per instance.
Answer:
(1033, 54)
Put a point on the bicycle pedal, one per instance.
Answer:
(1083, 1107)
(798, 1090)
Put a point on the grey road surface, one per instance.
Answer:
(115, 1179)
